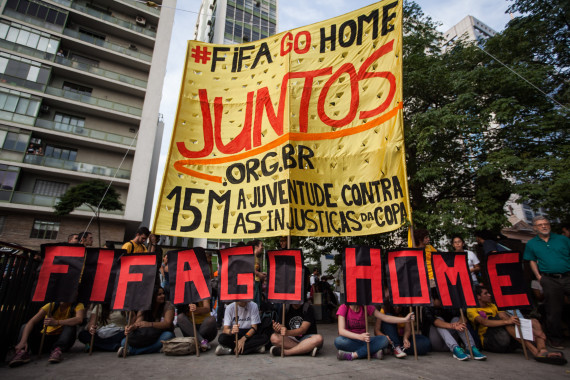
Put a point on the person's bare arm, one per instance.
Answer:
(23, 344)
(534, 268)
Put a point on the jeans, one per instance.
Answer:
(64, 340)
(111, 343)
(444, 339)
(422, 342)
(155, 347)
(359, 346)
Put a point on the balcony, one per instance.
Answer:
(80, 167)
(101, 72)
(94, 101)
(107, 45)
(102, 16)
(33, 20)
(143, 7)
(86, 132)
(24, 198)
(14, 47)
(19, 82)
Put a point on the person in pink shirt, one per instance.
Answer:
(353, 332)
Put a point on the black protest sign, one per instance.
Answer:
(236, 274)
(99, 273)
(362, 271)
(506, 280)
(285, 276)
(135, 282)
(407, 277)
(189, 276)
(453, 279)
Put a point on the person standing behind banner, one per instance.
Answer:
(205, 323)
(85, 238)
(421, 237)
(259, 275)
(250, 340)
(458, 245)
(399, 334)
(108, 328)
(60, 332)
(447, 328)
(299, 330)
(353, 332)
(549, 258)
(136, 245)
(151, 327)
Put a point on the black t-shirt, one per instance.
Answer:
(295, 317)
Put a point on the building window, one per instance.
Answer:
(40, 10)
(32, 38)
(83, 59)
(50, 188)
(8, 177)
(60, 153)
(68, 123)
(17, 103)
(16, 141)
(76, 88)
(93, 37)
(44, 229)
(23, 72)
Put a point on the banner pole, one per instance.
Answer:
(412, 323)
(522, 338)
(366, 326)
(127, 337)
(466, 332)
(44, 332)
(195, 335)
(283, 336)
(237, 353)
(97, 316)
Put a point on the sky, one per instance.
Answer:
(296, 13)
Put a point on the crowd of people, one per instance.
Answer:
(257, 326)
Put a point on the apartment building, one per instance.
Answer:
(80, 89)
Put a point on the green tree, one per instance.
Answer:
(90, 193)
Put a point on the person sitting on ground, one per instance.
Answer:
(497, 330)
(136, 245)
(399, 334)
(353, 332)
(299, 331)
(59, 321)
(249, 340)
(458, 245)
(447, 328)
(205, 323)
(108, 327)
(150, 328)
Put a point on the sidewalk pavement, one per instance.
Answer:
(436, 365)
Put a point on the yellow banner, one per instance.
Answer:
(300, 133)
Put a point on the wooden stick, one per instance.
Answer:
(283, 336)
(127, 337)
(522, 338)
(195, 335)
(97, 316)
(466, 333)
(237, 353)
(414, 336)
(44, 332)
(366, 326)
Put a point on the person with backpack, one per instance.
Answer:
(59, 322)
(299, 331)
(136, 245)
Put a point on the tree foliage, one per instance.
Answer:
(90, 193)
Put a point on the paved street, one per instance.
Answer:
(433, 366)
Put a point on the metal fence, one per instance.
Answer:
(19, 270)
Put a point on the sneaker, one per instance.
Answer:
(459, 354)
(343, 355)
(477, 355)
(56, 356)
(21, 357)
(121, 352)
(314, 352)
(261, 350)
(275, 351)
(222, 350)
(399, 352)
(379, 355)
(205, 345)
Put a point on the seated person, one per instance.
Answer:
(353, 334)
(150, 328)
(399, 334)
(60, 332)
(447, 328)
(299, 330)
(108, 327)
(497, 330)
(205, 323)
(249, 341)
